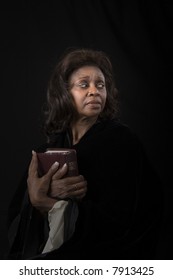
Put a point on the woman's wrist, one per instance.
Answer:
(44, 205)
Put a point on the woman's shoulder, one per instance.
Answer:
(115, 126)
(116, 132)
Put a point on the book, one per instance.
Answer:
(61, 155)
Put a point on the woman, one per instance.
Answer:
(112, 209)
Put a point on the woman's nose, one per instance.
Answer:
(93, 90)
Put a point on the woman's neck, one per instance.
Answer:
(80, 127)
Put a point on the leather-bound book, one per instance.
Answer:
(61, 155)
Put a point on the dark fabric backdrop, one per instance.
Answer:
(137, 35)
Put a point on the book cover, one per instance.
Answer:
(61, 155)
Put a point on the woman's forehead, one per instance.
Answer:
(87, 71)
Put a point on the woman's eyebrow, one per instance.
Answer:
(83, 77)
(88, 77)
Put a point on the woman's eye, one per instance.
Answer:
(83, 85)
(100, 85)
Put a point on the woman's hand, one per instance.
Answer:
(38, 187)
(45, 191)
(67, 187)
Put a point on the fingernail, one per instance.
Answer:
(55, 165)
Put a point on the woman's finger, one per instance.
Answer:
(60, 172)
(33, 165)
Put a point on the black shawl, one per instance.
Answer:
(120, 216)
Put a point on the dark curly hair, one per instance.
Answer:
(59, 110)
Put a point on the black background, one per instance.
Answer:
(137, 36)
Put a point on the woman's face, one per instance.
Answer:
(87, 86)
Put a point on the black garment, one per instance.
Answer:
(120, 216)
